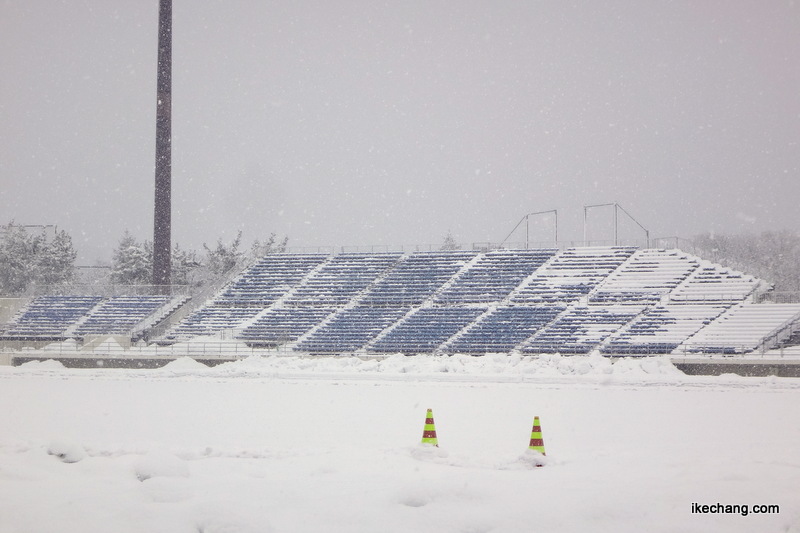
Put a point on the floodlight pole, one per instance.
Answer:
(162, 220)
(646, 231)
(585, 211)
(527, 227)
(617, 208)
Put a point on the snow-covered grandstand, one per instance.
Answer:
(614, 300)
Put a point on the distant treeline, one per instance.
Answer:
(773, 256)
(32, 256)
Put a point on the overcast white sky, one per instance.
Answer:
(353, 123)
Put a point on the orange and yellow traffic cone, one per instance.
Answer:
(536, 437)
(429, 433)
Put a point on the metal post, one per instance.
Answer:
(584, 225)
(162, 223)
(527, 231)
(555, 244)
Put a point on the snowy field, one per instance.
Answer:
(332, 445)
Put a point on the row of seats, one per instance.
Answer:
(426, 329)
(212, 319)
(742, 329)
(351, 329)
(712, 283)
(645, 278)
(661, 329)
(78, 316)
(341, 278)
(416, 278)
(580, 329)
(503, 329)
(120, 314)
(570, 275)
(50, 316)
(269, 279)
(283, 325)
(493, 276)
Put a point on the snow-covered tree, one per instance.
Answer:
(270, 246)
(33, 258)
(224, 257)
(449, 242)
(772, 255)
(184, 265)
(16, 252)
(55, 262)
(132, 263)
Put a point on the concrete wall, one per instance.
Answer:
(10, 306)
(766, 367)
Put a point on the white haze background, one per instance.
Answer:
(353, 123)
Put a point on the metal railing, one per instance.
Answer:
(781, 297)
(90, 289)
(236, 349)
(478, 246)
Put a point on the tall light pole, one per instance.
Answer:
(617, 208)
(162, 223)
(585, 215)
(527, 227)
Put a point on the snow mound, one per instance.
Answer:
(183, 366)
(66, 451)
(531, 459)
(159, 463)
(109, 345)
(458, 364)
(49, 364)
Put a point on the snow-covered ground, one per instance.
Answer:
(294, 444)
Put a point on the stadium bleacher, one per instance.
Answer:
(571, 274)
(416, 278)
(269, 279)
(426, 329)
(282, 325)
(581, 329)
(742, 329)
(711, 284)
(613, 300)
(493, 276)
(341, 278)
(645, 278)
(661, 329)
(212, 319)
(503, 329)
(50, 317)
(351, 329)
(119, 314)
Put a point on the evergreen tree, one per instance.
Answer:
(270, 246)
(16, 252)
(56, 260)
(132, 264)
(224, 257)
(449, 242)
(184, 265)
(27, 259)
